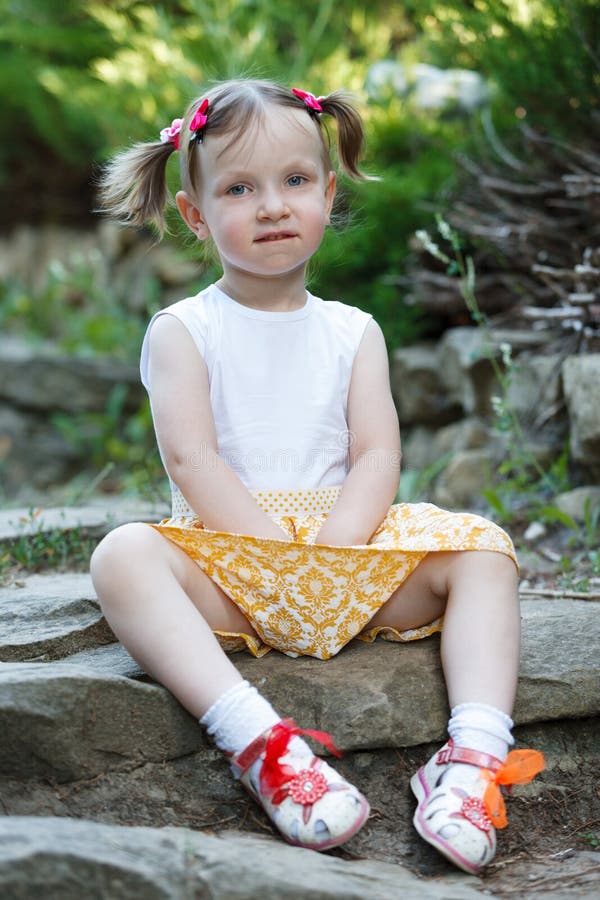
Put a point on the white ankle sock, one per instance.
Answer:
(239, 716)
(481, 727)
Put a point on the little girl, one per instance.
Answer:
(276, 425)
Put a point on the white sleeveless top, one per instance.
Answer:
(278, 386)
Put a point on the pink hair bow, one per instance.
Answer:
(311, 101)
(170, 135)
(200, 119)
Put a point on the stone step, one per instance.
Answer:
(50, 616)
(67, 859)
(70, 722)
(96, 520)
(96, 710)
(86, 735)
(40, 377)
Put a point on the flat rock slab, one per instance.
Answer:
(93, 712)
(47, 617)
(68, 721)
(560, 660)
(393, 695)
(96, 520)
(40, 377)
(67, 859)
(110, 659)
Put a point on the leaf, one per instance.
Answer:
(551, 514)
(497, 505)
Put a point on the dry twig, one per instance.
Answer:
(532, 230)
(549, 592)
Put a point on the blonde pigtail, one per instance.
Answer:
(350, 133)
(133, 186)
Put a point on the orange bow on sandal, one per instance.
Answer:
(520, 767)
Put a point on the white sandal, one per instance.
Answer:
(457, 815)
(308, 801)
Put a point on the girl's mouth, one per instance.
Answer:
(275, 236)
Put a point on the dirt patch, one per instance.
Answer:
(548, 847)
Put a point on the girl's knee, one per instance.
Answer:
(488, 565)
(500, 564)
(122, 547)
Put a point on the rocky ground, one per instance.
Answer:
(108, 788)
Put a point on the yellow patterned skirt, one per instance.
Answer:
(310, 599)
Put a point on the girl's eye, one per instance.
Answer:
(296, 180)
(238, 190)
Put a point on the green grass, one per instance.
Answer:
(57, 548)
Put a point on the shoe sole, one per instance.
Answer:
(420, 791)
(365, 811)
(340, 839)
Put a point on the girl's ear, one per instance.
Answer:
(330, 192)
(191, 215)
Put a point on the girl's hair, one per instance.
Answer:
(133, 186)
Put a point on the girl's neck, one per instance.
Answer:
(283, 294)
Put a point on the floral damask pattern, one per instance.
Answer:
(310, 599)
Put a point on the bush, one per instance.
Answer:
(542, 56)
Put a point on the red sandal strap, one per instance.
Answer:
(251, 753)
(274, 742)
(450, 753)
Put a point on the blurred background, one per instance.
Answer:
(477, 251)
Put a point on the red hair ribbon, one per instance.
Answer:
(311, 101)
(200, 119)
(520, 767)
(274, 777)
(170, 135)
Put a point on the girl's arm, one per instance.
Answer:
(372, 482)
(185, 431)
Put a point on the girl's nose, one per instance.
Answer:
(272, 205)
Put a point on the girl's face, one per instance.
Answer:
(266, 199)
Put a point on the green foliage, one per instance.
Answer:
(414, 483)
(591, 525)
(542, 56)
(45, 49)
(109, 72)
(118, 443)
(579, 567)
(77, 309)
(82, 77)
(55, 549)
(360, 263)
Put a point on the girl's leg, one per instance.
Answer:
(482, 629)
(476, 591)
(163, 609)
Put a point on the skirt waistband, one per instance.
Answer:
(290, 502)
